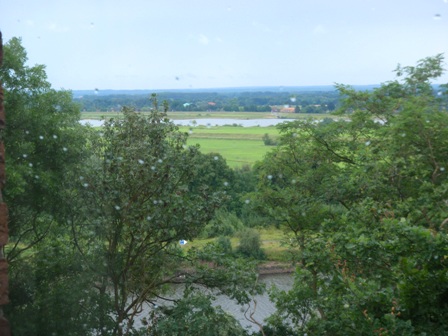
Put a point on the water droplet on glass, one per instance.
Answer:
(117, 207)
(41, 137)
(177, 78)
(141, 161)
(437, 17)
(96, 91)
(367, 143)
(270, 177)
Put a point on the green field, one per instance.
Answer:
(223, 115)
(238, 145)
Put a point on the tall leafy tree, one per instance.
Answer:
(364, 203)
(136, 201)
(44, 142)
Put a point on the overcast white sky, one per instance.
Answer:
(171, 44)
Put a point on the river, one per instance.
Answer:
(209, 122)
(265, 307)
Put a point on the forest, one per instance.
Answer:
(96, 214)
(300, 100)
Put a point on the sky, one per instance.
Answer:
(182, 44)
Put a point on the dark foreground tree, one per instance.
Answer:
(136, 199)
(44, 142)
(364, 203)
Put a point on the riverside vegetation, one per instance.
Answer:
(96, 215)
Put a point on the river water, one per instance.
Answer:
(210, 122)
(265, 307)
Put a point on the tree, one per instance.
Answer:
(137, 199)
(364, 204)
(44, 143)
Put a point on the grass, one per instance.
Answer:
(218, 115)
(238, 145)
(271, 243)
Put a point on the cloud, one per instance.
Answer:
(319, 30)
(203, 39)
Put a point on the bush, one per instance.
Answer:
(224, 224)
(250, 245)
(268, 141)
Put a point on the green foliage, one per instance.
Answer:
(224, 223)
(194, 315)
(268, 141)
(364, 203)
(250, 244)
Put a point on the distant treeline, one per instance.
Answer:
(280, 101)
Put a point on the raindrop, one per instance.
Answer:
(41, 137)
(367, 143)
(148, 218)
(177, 78)
(155, 202)
(30, 164)
(141, 161)
(96, 91)
(153, 168)
(92, 25)
(270, 177)
(216, 158)
(25, 155)
(27, 132)
(64, 149)
(55, 136)
(159, 160)
(437, 17)
(117, 207)
(442, 168)
(226, 183)
(247, 201)
(36, 177)
(85, 185)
